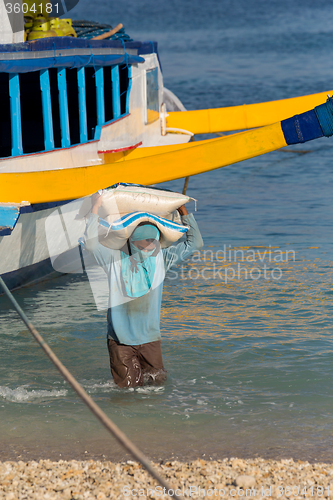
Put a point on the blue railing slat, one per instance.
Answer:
(47, 109)
(115, 91)
(81, 81)
(15, 105)
(15, 114)
(128, 92)
(63, 108)
(99, 81)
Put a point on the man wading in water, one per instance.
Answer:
(135, 275)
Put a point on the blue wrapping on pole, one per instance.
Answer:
(310, 125)
(324, 113)
(301, 128)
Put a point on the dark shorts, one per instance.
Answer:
(136, 365)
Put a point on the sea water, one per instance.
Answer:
(247, 323)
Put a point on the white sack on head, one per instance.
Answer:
(123, 198)
(116, 234)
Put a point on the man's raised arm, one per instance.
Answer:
(178, 253)
(92, 245)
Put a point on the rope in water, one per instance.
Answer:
(93, 407)
(90, 29)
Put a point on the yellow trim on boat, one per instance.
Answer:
(143, 166)
(205, 121)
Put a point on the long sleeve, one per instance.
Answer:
(102, 254)
(175, 254)
(137, 321)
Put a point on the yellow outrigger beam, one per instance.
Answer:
(164, 163)
(143, 166)
(247, 116)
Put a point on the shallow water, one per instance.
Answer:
(246, 325)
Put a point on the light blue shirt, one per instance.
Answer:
(136, 321)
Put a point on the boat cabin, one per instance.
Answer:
(60, 92)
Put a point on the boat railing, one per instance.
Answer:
(60, 107)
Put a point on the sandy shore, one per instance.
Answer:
(233, 478)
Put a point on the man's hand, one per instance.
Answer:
(96, 201)
(182, 210)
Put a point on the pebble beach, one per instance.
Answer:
(234, 478)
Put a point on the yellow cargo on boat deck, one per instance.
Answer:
(41, 29)
(37, 23)
(62, 27)
(53, 27)
(36, 8)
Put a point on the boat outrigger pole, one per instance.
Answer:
(153, 165)
(208, 121)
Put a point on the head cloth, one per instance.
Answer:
(145, 232)
(138, 269)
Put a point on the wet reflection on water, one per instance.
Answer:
(250, 358)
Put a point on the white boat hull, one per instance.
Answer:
(24, 253)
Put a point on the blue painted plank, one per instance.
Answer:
(15, 114)
(99, 81)
(47, 109)
(115, 92)
(8, 216)
(63, 108)
(81, 81)
(128, 93)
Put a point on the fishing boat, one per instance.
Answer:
(80, 113)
